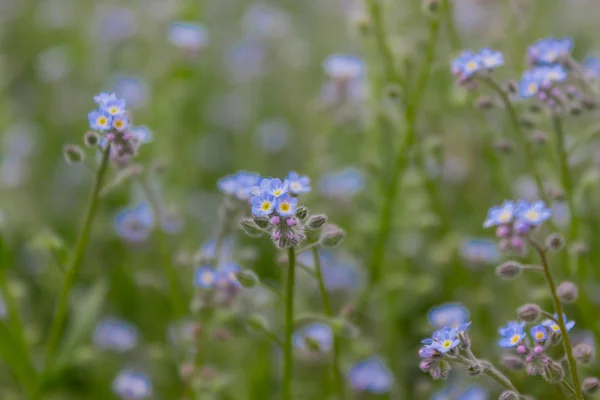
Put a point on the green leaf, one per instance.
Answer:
(15, 357)
(84, 319)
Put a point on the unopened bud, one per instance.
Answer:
(331, 236)
(512, 87)
(575, 110)
(555, 242)
(579, 248)
(567, 292)
(589, 103)
(509, 270)
(539, 137)
(484, 103)
(591, 385)
(301, 213)
(316, 221)
(527, 122)
(73, 154)
(529, 313)
(553, 372)
(250, 227)
(475, 369)
(261, 222)
(247, 278)
(503, 146)
(513, 362)
(91, 139)
(508, 395)
(431, 6)
(584, 353)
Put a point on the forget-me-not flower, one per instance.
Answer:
(539, 333)
(513, 334)
(451, 315)
(188, 36)
(131, 385)
(370, 375)
(533, 214)
(263, 205)
(500, 215)
(445, 340)
(548, 51)
(204, 277)
(555, 328)
(298, 184)
(115, 334)
(491, 58)
(100, 120)
(319, 333)
(115, 107)
(286, 205)
(344, 67)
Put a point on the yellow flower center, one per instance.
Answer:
(515, 339)
(295, 186)
(101, 121)
(207, 278)
(539, 335)
(118, 123)
(471, 66)
(552, 55)
(265, 206)
(447, 344)
(555, 328)
(552, 76)
(277, 192)
(532, 215)
(113, 110)
(285, 207)
(532, 87)
(505, 216)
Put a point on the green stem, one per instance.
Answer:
(489, 370)
(337, 376)
(565, 175)
(453, 36)
(289, 327)
(526, 143)
(60, 316)
(561, 321)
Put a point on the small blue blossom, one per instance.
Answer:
(480, 251)
(344, 67)
(240, 184)
(500, 215)
(298, 184)
(427, 352)
(591, 66)
(263, 205)
(474, 393)
(226, 274)
(274, 187)
(135, 224)
(143, 134)
(343, 184)
(553, 74)
(553, 326)
(451, 315)
(316, 332)
(102, 98)
(100, 120)
(533, 214)
(466, 64)
(286, 206)
(445, 340)
(114, 334)
(370, 375)
(131, 385)
(120, 122)
(513, 334)
(491, 58)
(115, 107)
(133, 89)
(204, 277)
(340, 275)
(209, 249)
(539, 333)
(530, 84)
(188, 36)
(549, 50)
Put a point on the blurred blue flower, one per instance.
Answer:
(286, 205)
(100, 120)
(131, 385)
(246, 61)
(539, 333)
(591, 66)
(115, 334)
(512, 334)
(553, 326)
(370, 375)
(188, 35)
(204, 277)
(135, 224)
(530, 84)
(549, 50)
(209, 249)
(319, 333)
(500, 215)
(444, 340)
(342, 184)
(533, 214)
(340, 275)
(480, 251)
(451, 315)
(274, 187)
(344, 67)
(115, 107)
(298, 184)
(466, 64)
(102, 98)
(142, 133)
(226, 274)
(240, 184)
(272, 134)
(263, 205)
(265, 21)
(474, 393)
(134, 90)
(491, 58)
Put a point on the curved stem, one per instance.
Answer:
(337, 376)
(514, 119)
(561, 321)
(286, 393)
(74, 266)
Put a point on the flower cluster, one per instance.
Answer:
(239, 185)
(532, 348)
(514, 220)
(116, 335)
(467, 64)
(274, 207)
(549, 51)
(443, 341)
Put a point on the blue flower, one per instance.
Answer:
(549, 50)
(370, 375)
(131, 385)
(513, 334)
(480, 251)
(553, 74)
(539, 333)
(135, 224)
(228, 185)
(340, 275)
(500, 215)
(274, 187)
(102, 98)
(115, 107)
(530, 84)
(120, 122)
(427, 352)
(450, 314)
(591, 66)
(533, 214)
(474, 393)
(343, 184)
(462, 328)
(466, 64)
(491, 58)
(240, 185)
(553, 326)
(114, 334)
(188, 36)
(286, 206)
(143, 134)
(100, 120)
(445, 340)
(319, 333)
(226, 274)
(263, 205)
(204, 277)
(344, 67)
(298, 184)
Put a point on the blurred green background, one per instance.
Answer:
(251, 98)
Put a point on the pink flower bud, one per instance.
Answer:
(538, 350)
(521, 349)
(275, 220)
(291, 221)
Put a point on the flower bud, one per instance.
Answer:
(250, 227)
(331, 236)
(509, 270)
(584, 353)
(555, 242)
(301, 213)
(575, 110)
(539, 137)
(247, 278)
(579, 248)
(261, 222)
(91, 139)
(512, 87)
(503, 146)
(591, 385)
(553, 372)
(316, 221)
(484, 103)
(431, 6)
(589, 103)
(567, 292)
(529, 313)
(475, 369)
(508, 395)
(73, 154)
(513, 362)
